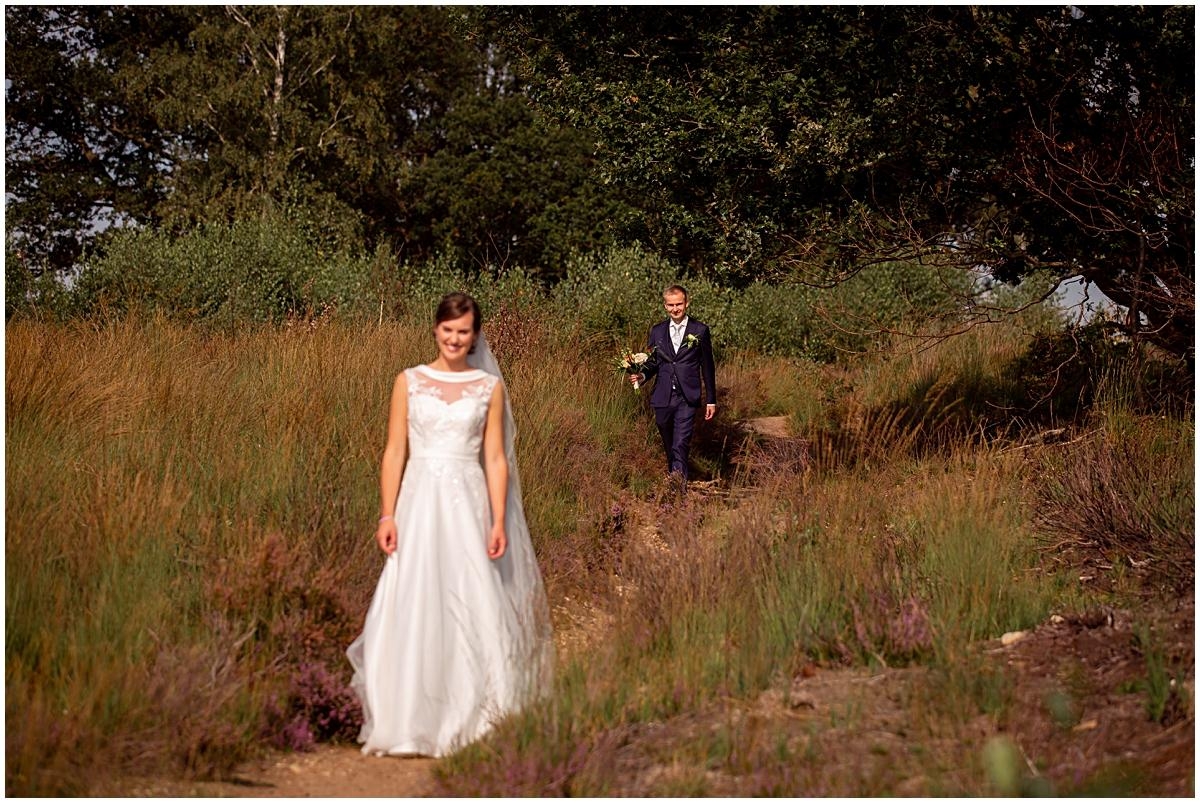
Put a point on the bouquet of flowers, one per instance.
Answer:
(630, 362)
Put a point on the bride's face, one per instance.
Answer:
(455, 337)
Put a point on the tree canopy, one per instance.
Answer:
(82, 148)
(825, 139)
(742, 142)
(386, 123)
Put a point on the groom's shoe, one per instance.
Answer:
(678, 481)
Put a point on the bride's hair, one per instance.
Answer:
(456, 305)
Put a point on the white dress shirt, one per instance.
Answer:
(677, 330)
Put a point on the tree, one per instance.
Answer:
(389, 117)
(822, 140)
(310, 104)
(374, 125)
(504, 188)
(81, 150)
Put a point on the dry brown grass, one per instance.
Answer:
(188, 549)
(1127, 489)
(188, 525)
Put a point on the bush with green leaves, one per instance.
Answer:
(280, 266)
(262, 269)
(618, 291)
(27, 293)
(775, 319)
(413, 291)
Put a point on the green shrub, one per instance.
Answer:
(413, 292)
(773, 320)
(618, 291)
(260, 269)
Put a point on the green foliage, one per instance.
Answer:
(82, 148)
(618, 291)
(1009, 773)
(412, 291)
(505, 189)
(266, 97)
(1002, 139)
(261, 269)
(771, 320)
(388, 120)
(1166, 697)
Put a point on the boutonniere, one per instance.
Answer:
(690, 340)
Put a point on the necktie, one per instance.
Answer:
(676, 335)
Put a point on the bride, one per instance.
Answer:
(458, 632)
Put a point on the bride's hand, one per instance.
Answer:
(385, 536)
(497, 541)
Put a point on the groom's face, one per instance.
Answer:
(676, 305)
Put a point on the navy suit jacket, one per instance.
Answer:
(684, 368)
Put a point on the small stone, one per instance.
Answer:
(1098, 617)
(1056, 619)
(1009, 639)
(799, 698)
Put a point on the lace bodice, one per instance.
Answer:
(447, 411)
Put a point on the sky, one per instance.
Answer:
(1071, 297)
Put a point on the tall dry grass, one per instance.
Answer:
(909, 541)
(188, 522)
(1126, 489)
(170, 491)
(189, 546)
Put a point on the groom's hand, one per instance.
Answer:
(709, 411)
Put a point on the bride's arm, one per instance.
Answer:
(392, 465)
(495, 465)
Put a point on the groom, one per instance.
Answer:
(680, 355)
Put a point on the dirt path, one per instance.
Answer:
(327, 771)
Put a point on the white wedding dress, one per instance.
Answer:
(453, 640)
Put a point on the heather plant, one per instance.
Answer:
(319, 707)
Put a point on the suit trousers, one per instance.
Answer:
(675, 423)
